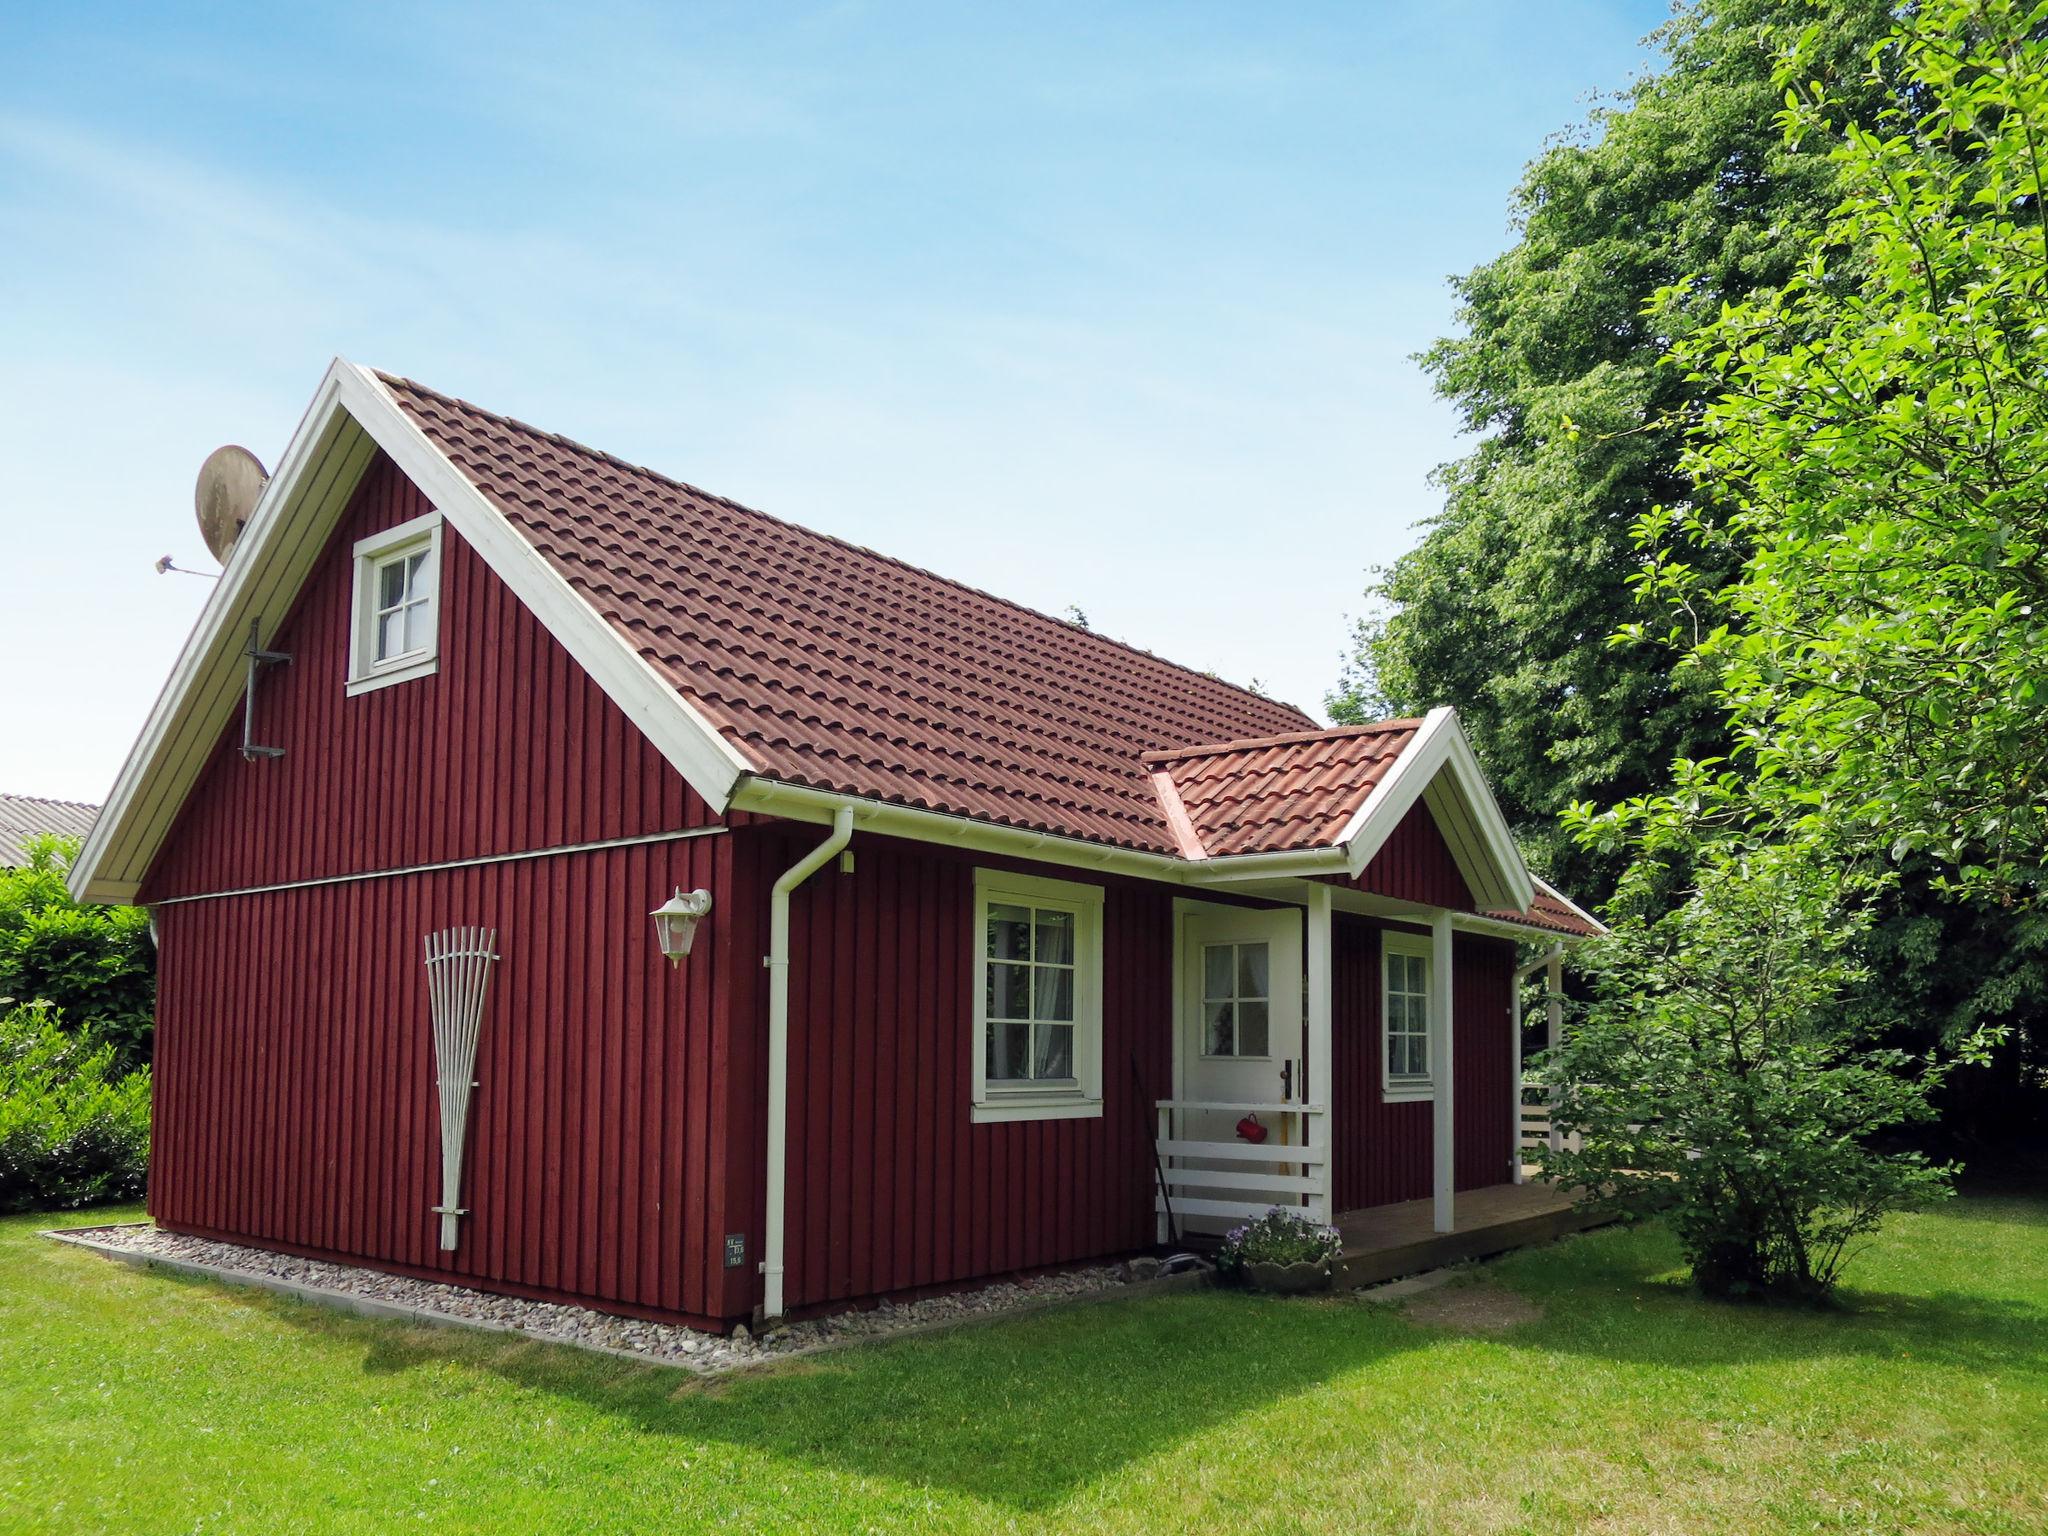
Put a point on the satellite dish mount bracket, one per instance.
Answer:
(258, 659)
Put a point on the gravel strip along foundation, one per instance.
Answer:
(378, 1294)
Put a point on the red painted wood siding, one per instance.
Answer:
(891, 1185)
(1415, 864)
(1384, 1151)
(294, 1078)
(509, 746)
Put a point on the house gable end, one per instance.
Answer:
(1416, 864)
(507, 746)
(351, 419)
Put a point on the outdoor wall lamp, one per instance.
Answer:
(675, 922)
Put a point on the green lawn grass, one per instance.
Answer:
(134, 1401)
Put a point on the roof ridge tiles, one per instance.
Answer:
(582, 449)
(1296, 738)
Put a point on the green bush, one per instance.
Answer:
(74, 1130)
(1714, 1077)
(94, 965)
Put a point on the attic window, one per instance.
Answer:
(395, 622)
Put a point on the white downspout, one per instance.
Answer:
(777, 962)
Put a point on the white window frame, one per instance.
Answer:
(1081, 1097)
(371, 555)
(1396, 1090)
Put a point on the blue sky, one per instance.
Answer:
(1106, 305)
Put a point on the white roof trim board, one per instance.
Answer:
(352, 415)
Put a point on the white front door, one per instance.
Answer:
(1240, 1027)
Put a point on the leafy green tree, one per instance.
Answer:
(1875, 451)
(1506, 606)
(1714, 1076)
(94, 965)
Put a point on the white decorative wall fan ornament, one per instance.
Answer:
(459, 962)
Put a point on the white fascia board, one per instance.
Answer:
(1439, 745)
(1237, 868)
(1563, 900)
(197, 698)
(799, 802)
(692, 745)
(350, 416)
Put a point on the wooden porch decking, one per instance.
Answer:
(1384, 1242)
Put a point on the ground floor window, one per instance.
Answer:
(1404, 1016)
(1037, 997)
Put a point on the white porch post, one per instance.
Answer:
(1319, 1087)
(1442, 1068)
(1553, 984)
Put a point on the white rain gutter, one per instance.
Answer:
(777, 962)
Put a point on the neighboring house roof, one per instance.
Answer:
(25, 816)
(784, 670)
(1294, 791)
(831, 666)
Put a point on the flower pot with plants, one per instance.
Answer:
(1283, 1252)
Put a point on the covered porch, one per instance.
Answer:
(1211, 1178)
(1347, 1033)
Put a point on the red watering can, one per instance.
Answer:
(1249, 1129)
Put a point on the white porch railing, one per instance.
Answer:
(1537, 1132)
(1291, 1168)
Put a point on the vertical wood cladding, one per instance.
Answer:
(294, 1078)
(1384, 1151)
(1415, 864)
(891, 1184)
(509, 746)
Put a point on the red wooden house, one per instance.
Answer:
(997, 907)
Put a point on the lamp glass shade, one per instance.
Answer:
(675, 922)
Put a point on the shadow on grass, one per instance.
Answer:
(1019, 1414)
(1620, 1295)
(1022, 1414)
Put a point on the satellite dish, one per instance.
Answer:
(229, 482)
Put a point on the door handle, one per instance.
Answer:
(1287, 1080)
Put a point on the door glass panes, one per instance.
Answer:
(1407, 1015)
(1029, 1002)
(1236, 997)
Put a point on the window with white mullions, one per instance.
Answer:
(1037, 947)
(1405, 1014)
(404, 616)
(1236, 1000)
(1030, 952)
(393, 617)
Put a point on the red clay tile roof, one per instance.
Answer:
(1553, 914)
(1278, 793)
(24, 816)
(832, 666)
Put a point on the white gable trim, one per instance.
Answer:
(1565, 901)
(693, 746)
(350, 417)
(1439, 767)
